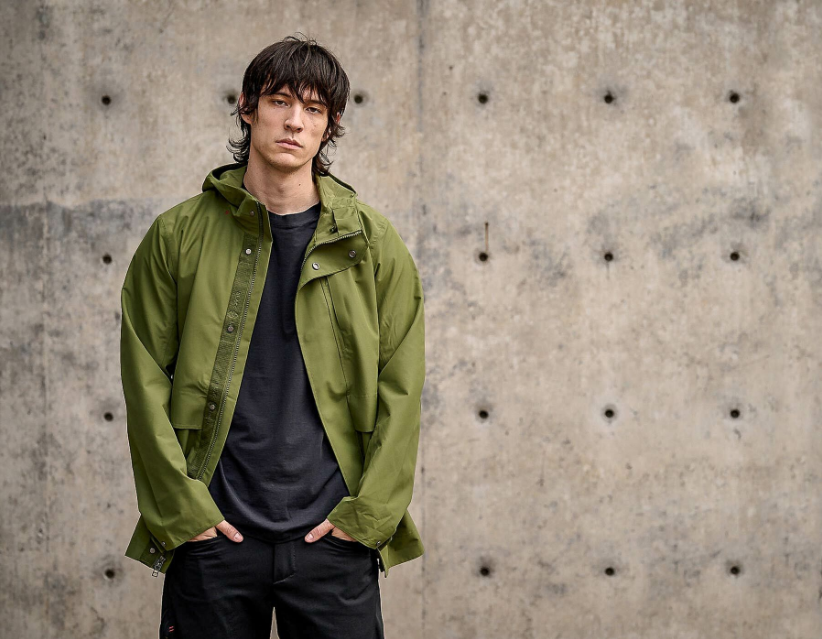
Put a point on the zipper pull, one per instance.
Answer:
(157, 565)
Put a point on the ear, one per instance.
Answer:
(337, 121)
(241, 102)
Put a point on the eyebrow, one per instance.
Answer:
(291, 97)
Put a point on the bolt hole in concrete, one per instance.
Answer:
(231, 98)
(735, 570)
(609, 413)
(106, 100)
(482, 256)
(485, 571)
(107, 258)
(608, 256)
(735, 414)
(733, 96)
(110, 573)
(359, 98)
(609, 98)
(483, 414)
(482, 98)
(610, 571)
(108, 417)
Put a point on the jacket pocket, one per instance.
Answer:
(364, 428)
(332, 318)
(187, 410)
(186, 416)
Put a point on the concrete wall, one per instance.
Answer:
(617, 210)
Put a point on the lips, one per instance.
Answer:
(290, 143)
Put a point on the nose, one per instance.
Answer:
(294, 119)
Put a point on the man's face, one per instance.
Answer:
(282, 116)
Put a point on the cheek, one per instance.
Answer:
(320, 132)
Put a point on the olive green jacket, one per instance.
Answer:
(189, 302)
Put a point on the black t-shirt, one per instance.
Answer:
(277, 476)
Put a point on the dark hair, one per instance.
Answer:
(302, 66)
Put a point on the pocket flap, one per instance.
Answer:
(187, 409)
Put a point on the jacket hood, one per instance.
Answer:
(338, 211)
(228, 181)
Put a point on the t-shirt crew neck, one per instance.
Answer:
(295, 220)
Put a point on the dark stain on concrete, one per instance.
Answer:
(44, 17)
(547, 266)
(751, 211)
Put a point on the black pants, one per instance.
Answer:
(221, 589)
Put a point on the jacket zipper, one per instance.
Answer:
(237, 347)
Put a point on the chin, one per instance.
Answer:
(284, 161)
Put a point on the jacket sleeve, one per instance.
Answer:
(384, 493)
(175, 507)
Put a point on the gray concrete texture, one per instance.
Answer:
(617, 211)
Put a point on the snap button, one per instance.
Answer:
(152, 551)
(251, 212)
(248, 251)
(230, 328)
(315, 266)
(164, 543)
(212, 406)
(352, 253)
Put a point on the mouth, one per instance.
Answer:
(288, 145)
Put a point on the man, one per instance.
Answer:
(272, 356)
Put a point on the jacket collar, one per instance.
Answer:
(338, 208)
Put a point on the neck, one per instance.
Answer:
(281, 192)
